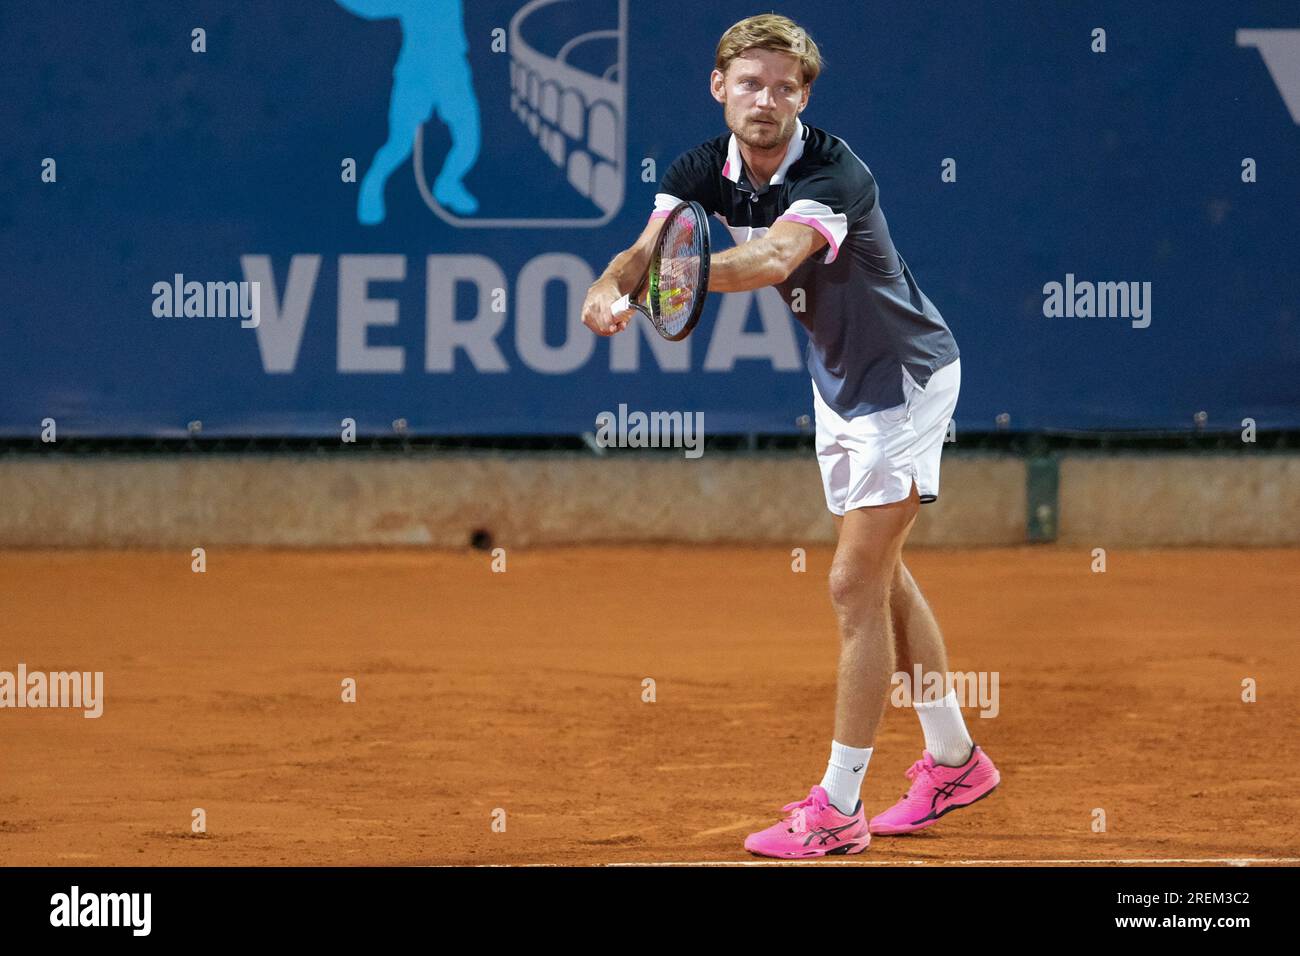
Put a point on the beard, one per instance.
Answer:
(761, 135)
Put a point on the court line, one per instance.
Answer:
(822, 861)
(1231, 861)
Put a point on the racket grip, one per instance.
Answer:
(619, 306)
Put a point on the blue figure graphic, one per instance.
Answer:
(432, 72)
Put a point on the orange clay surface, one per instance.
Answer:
(522, 691)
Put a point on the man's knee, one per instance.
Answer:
(858, 582)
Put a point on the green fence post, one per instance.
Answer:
(1042, 496)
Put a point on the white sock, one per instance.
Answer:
(945, 732)
(844, 773)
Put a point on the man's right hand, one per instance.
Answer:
(596, 314)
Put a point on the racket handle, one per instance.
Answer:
(619, 306)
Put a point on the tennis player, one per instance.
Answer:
(805, 214)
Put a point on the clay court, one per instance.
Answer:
(522, 691)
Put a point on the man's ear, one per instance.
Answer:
(717, 86)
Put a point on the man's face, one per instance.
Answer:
(761, 94)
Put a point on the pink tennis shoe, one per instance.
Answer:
(813, 828)
(936, 790)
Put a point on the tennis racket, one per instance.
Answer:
(671, 294)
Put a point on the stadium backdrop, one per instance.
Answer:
(228, 164)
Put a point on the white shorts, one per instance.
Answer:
(873, 459)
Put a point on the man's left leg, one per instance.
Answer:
(831, 820)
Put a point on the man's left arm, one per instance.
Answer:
(821, 208)
(764, 261)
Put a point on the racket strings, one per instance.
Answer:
(678, 275)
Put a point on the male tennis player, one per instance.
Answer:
(805, 213)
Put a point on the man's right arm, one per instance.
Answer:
(619, 278)
(688, 177)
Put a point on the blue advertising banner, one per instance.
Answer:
(1103, 200)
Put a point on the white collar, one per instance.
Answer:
(792, 153)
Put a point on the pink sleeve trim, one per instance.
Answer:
(807, 221)
(659, 214)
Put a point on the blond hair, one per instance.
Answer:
(770, 31)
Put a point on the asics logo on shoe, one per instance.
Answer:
(827, 833)
(950, 787)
